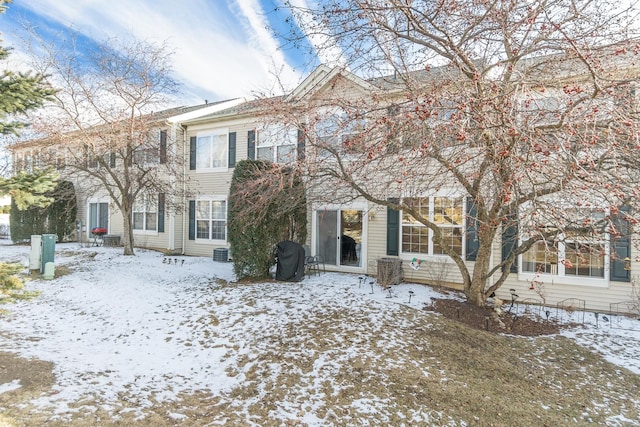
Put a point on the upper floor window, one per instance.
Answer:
(446, 213)
(277, 143)
(153, 152)
(212, 149)
(338, 131)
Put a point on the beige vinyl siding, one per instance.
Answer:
(376, 240)
(203, 184)
(81, 215)
(434, 270)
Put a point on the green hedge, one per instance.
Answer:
(58, 218)
(267, 204)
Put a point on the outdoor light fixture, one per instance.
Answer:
(627, 263)
(410, 295)
(514, 297)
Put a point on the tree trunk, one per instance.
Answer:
(475, 292)
(128, 230)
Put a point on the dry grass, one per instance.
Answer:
(412, 368)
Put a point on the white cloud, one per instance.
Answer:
(218, 55)
(318, 35)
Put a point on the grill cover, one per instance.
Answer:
(290, 267)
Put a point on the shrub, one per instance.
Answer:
(58, 218)
(267, 204)
(11, 286)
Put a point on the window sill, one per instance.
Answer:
(211, 241)
(146, 232)
(212, 170)
(441, 259)
(549, 279)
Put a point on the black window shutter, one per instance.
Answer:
(193, 142)
(472, 230)
(393, 230)
(192, 220)
(163, 146)
(510, 241)
(161, 213)
(232, 149)
(112, 159)
(251, 145)
(301, 143)
(620, 246)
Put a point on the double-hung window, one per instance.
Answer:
(578, 254)
(339, 132)
(145, 213)
(212, 149)
(446, 213)
(277, 143)
(211, 219)
(574, 254)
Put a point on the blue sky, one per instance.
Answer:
(223, 48)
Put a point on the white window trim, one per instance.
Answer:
(213, 133)
(144, 221)
(430, 255)
(560, 277)
(88, 215)
(338, 138)
(289, 138)
(213, 198)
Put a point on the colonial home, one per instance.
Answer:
(361, 167)
(357, 158)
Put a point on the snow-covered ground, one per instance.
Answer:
(155, 330)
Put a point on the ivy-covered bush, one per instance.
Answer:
(58, 218)
(267, 204)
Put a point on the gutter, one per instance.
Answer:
(184, 189)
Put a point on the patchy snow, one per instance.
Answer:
(154, 330)
(13, 385)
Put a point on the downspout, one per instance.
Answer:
(185, 215)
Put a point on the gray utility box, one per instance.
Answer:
(48, 249)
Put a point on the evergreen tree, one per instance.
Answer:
(19, 93)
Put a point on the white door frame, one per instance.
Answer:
(361, 206)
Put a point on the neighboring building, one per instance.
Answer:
(156, 216)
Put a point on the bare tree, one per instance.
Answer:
(104, 127)
(526, 111)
